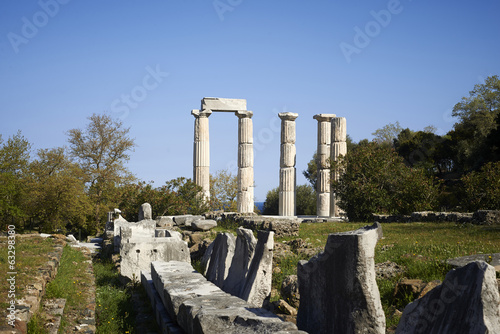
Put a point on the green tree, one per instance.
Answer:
(101, 150)
(477, 115)
(223, 191)
(305, 201)
(14, 161)
(57, 195)
(271, 205)
(482, 188)
(375, 179)
(387, 133)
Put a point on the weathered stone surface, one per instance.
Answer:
(145, 212)
(138, 254)
(117, 224)
(240, 264)
(203, 225)
(388, 270)
(220, 258)
(222, 104)
(279, 225)
(338, 290)
(467, 302)
(487, 217)
(491, 259)
(142, 229)
(164, 221)
(186, 220)
(339, 133)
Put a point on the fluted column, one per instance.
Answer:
(287, 164)
(245, 161)
(338, 147)
(201, 151)
(323, 164)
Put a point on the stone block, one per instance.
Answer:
(221, 258)
(137, 254)
(324, 133)
(243, 254)
(245, 201)
(145, 212)
(117, 224)
(287, 179)
(288, 155)
(288, 135)
(323, 205)
(323, 181)
(165, 221)
(486, 217)
(142, 229)
(467, 302)
(339, 133)
(337, 149)
(338, 290)
(286, 205)
(281, 226)
(201, 153)
(223, 104)
(245, 178)
(245, 155)
(203, 225)
(245, 131)
(186, 220)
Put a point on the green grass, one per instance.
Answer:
(114, 309)
(420, 248)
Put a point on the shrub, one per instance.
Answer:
(482, 188)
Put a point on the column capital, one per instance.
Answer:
(288, 116)
(201, 113)
(324, 117)
(244, 113)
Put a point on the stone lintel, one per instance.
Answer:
(288, 116)
(221, 104)
(324, 117)
(201, 113)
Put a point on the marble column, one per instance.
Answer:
(287, 164)
(245, 161)
(338, 147)
(323, 164)
(201, 151)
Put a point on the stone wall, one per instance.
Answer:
(481, 217)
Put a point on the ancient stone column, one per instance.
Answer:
(323, 164)
(245, 161)
(338, 147)
(201, 151)
(287, 164)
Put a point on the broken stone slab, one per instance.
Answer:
(243, 255)
(492, 259)
(258, 279)
(145, 212)
(142, 229)
(221, 258)
(199, 306)
(186, 220)
(164, 221)
(467, 302)
(117, 224)
(203, 225)
(338, 288)
(164, 321)
(281, 227)
(137, 254)
(205, 259)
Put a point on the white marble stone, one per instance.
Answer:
(323, 153)
(222, 104)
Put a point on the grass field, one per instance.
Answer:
(421, 248)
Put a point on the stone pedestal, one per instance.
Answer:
(287, 164)
(201, 151)
(245, 161)
(322, 162)
(338, 147)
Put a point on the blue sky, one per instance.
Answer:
(373, 62)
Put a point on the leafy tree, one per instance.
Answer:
(477, 115)
(223, 191)
(101, 150)
(271, 205)
(14, 160)
(305, 201)
(57, 195)
(482, 188)
(387, 133)
(175, 197)
(374, 179)
(426, 150)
